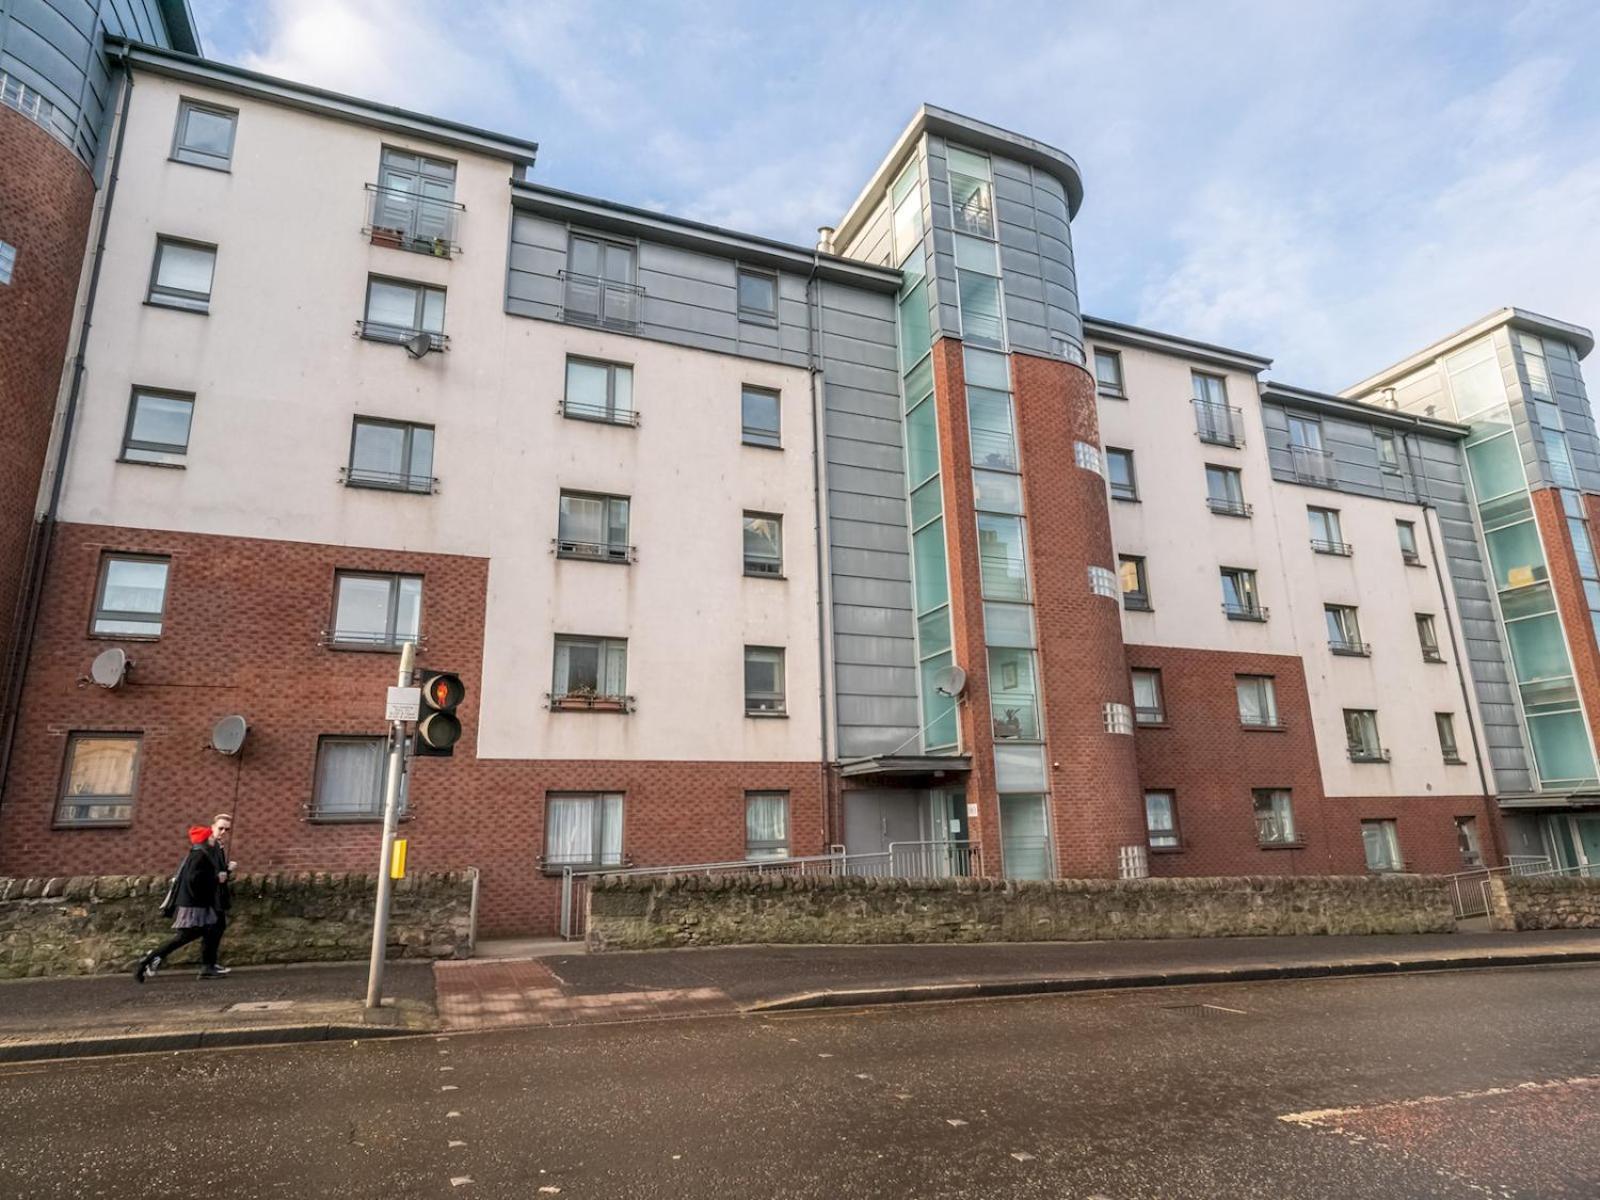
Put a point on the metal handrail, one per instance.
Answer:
(420, 217)
(591, 300)
(594, 551)
(1354, 649)
(1245, 612)
(1311, 465)
(399, 335)
(599, 413)
(1323, 546)
(389, 481)
(1218, 424)
(1469, 894)
(1228, 508)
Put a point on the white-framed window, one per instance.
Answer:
(1103, 582)
(1274, 812)
(590, 670)
(594, 527)
(582, 829)
(181, 275)
(396, 455)
(158, 427)
(1108, 374)
(352, 771)
(1381, 840)
(763, 681)
(204, 135)
(758, 296)
(131, 596)
(763, 544)
(1258, 701)
(1161, 820)
(1147, 706)
(376, 609)
(599, 391)
(971, 192)
(398, 311)
(99, 779)
(766, 825)
(1118, 717)
(760, 417)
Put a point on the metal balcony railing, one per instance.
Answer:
(591, 300)
(1228, 508)
(390, 481)
(1431, 654)
(1367, 754)
(1149, 716)
(1350, 648)
(406, 221)
(604, 414)
(762, 565)
(588, 700)
(399, 335)
(1263, 721)
(1136, 602)
(1245, 612)
(594, 551)
(1342, 549)
(1275, 831)
(1218, 424)
(1311, 465)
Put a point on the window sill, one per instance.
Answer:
(592, 704)
(764, 575)
(144, 462)
(766, 715)
(761, 445)
(363, 648)
(125, 637)
(188, 162)
(1455, 762)
(1249, 728)
(1178, 849)
(1106, 394)
(71, 825)
(1128, 606)
(363, 819)
(1437, 659)
(157, 302)
(760, 319)
(556, 870)
(368, 485)
(1152, 724)
(610, 559)
(1280, 845)
(1125, 499)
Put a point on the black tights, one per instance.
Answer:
(210, 938)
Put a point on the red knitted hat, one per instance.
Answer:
(199, 833)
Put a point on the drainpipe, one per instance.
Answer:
(814, 365)
(39, 563)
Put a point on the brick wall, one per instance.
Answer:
(46, 197)
(242, 634)
(1570, 600)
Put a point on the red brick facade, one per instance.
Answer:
(46, 197)
(1212, 764)
(1570, 600)
(243, 633)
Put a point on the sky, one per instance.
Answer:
(1332, 184)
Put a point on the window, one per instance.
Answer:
(1327, 535)
(1258, 701)
(1445, 723)
(760, 416)
(1274, 811)
(352, 773)
(1225, 491)
(158, 427)
(599, 391)
(1209, 389)
(1103, 582)
(1135, 586)
(1214, 420)
(593, 526)
(1305, 433)
(1388, 453)
(414, 202)
(1239, 598)
(97, 785)
(758, 296)
(763, 680)
(1467, 842)
(390, 454)
(1429, 638)
(1002, 557)
(907, 200)
(590, 672)
(979, 296)
(181, 275)
(1407, 533)
(971, 195)
(763, 544)
(1118, 718)
(1147, 709)
(599, 281)
(1344, 630)
(994, 442)
(132, 596)
(1086, 456)
(204, 137)
(376, 610)
(1108, 374)
(583, 829)
(1013, 692)
(398, 311)
(766, 825)
(1119, 471)
(1361, 736)
(1161, 820)
(8, 261)
(1382, 844)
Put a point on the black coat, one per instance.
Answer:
(198, 885)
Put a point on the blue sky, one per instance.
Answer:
(1332, 184)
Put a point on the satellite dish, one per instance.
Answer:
(418, 345)
(227, 735)
(951, 681)
(109, 668)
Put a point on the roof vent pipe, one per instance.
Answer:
(825, 238)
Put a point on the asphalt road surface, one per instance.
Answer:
(1455, 1086)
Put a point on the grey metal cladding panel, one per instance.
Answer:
(874, 651)
(872, 620)
(662, 318)
(1059, 274)
(548, 310)
(867, 428)
(862, 481)
(31, 59)
(537, 260)
(1022, 280)
(858, 401)
(1021, 310)
(838, 297)
(682, 289)
(862, 741)
(878, 329)
(868, 535)
(1021, 335)
(872, 593)
(856, 375)
(688, 264)
(1055, 237)
(863, 352)
(848, 452)
(879, 710)
(760, 341)
(863, 679)
(1008, 168)
(853, 506)
(948, 320)
(530, 230)
(881, 565)
(1022, 246)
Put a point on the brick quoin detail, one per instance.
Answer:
(1094, 782)
(242, 634)
(1573, 605)
(46, 198)
(1212, 764)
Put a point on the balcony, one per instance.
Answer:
(610, 552)
(1136, 602)
(1224, 507)
(1350, 649)
(1312, 466)
(1244, 612)
(400, 335)
(576, 410)
(765, 566)
(1275, 831)
(403, 220)
(588, 700)
(1431, 654)
(1149, 716)
(388, 481)
(591, 300)
(1342, 549)
(1218, 424)
(1367, 754)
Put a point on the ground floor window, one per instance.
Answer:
(351, 773)
(1467, 841)
(766, 824)
(1274, 809)
(97, 785)
(583, 829)
(1025, 837)
(1161, 820)
(1382, 842)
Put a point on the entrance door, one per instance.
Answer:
(874, 819)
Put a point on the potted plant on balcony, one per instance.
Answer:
(441, 248)
(384, 236)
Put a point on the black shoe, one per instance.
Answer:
(148, 966)
(215, 972)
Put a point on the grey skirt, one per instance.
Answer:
(194, 918)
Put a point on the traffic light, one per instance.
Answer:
(437, 724)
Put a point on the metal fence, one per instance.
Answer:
(1469, 891)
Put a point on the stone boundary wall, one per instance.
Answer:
(644, 912)
(1544, 902)
(90, 925)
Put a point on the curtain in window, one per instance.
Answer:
(1001, 564)
(379, 450)
(392, 304)
(766, 824)
(569, 825)
(102, 766)
(186, 268)
(1146, 694)
(134, 586)
(349, 777)
(583, 519)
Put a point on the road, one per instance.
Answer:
(1449, 1086)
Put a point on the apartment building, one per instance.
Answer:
(743, 549)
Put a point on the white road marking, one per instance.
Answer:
(824, 1056)
(452, 1114)
(447, 1068)
(1022, 1156)
(459, 1180)
(954, 1121)
(453, 1145)
(1317, 1116)
(449, 1087)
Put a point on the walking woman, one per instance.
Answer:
(201, 898)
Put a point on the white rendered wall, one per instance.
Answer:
(278, 376)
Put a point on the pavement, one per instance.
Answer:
(547, 984)
(1454, 1085)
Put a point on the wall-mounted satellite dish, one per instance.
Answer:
(227, 735)
(109, 668)
(418, 345)
(951, 681)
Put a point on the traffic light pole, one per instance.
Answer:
(391, 818)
